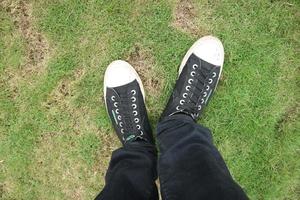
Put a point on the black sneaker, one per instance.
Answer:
(199, 74)
(124, 99)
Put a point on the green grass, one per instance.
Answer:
(55, 137)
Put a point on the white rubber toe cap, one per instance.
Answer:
(120, 73)
(207, 48)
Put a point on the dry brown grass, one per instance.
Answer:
(60, 101)
(52, 152)
(80, 121)
(37, 45)
(185, 17)
(144, 64)
(37, 48)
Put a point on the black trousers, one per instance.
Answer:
(189, 167)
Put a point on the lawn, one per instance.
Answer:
(55, 137)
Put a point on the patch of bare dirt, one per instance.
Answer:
(1, 190)
(37, 45)
(185, 16)
(47, 136)
(6, 188)
(37, 50)
(64, 90)
(77, 178)
(109, 144)
(291, 114)
(60, 101)
(143, 63)
(52, 152)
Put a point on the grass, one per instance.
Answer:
(55, 137)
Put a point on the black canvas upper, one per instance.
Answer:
(194, 88)
(127, 111)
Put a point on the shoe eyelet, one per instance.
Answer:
(195, 66)
(177, 108)
(202, 101)
(134, 106)
(193, 73)
(117, 111)
(136, 120)
(133, 92)
(204, 94)
(210, 81)
(142, 133)
(116, 104)
(121, 124)
(138, 127)
(122, 131)
(184, 95)
(113, 98)
(123, 138)
(190, 81)
(199, 107)
(214, 74)
(133, 99)
(119, 117)
(135, 113)
(207, 87)
(181, 102)
(188, 88)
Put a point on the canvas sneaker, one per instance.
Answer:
(125, 103)
(199, 74)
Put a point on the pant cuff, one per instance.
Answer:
(183, 117)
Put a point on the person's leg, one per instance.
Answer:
(131, 174)
(132, 170)
(190, 166)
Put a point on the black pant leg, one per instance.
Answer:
(189, 166)
(131, 174)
